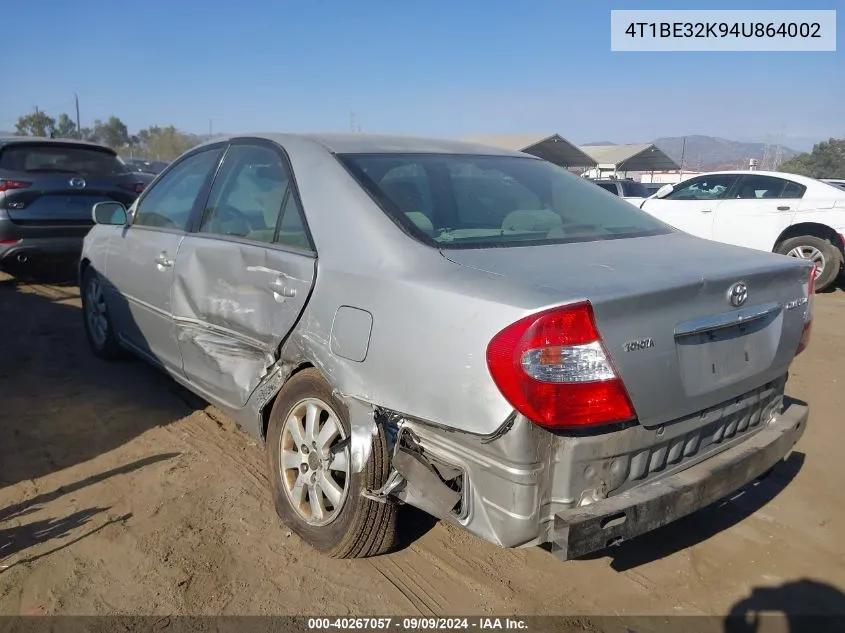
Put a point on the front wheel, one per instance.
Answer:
(95, 312)
(826, 257)
(315, 490)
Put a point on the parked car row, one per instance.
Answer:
(770, 211)
(469, 330)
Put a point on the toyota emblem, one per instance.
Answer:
(77, 183)
(738, 294)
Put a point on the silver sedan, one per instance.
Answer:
(471, 331)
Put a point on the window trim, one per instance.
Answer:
(202, 194)
(198, 215)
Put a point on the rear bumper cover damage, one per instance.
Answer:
(583, 530)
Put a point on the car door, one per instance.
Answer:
(242, 278)
(691, 205)
(756, 211)
(140, 259)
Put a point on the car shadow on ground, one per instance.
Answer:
(794, 607)
(16, 539)
(63, 406)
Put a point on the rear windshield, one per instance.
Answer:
(475, 201)
(60, 158)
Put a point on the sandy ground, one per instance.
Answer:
(117, 495)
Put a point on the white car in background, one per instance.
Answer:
(768, 211)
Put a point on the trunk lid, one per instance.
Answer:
(663, 308)
(64, 198)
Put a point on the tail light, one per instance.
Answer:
(7, 185)
(808, 313)
(134, 187)
(553, 368)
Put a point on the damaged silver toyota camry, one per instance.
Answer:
(468, 330)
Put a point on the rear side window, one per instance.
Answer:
(474, 201)
(253, 198)
(767, 188)
(58, 158)
(633, 189)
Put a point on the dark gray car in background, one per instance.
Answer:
(47, 189)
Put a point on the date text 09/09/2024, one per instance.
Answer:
(724, 29)
(417, 624)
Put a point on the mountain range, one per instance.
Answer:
(708, 153)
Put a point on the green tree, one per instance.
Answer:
(827, 160)
(165, 143)
(65, 127)
(112, 132)
(35, 124)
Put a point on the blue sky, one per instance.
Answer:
(437, 67)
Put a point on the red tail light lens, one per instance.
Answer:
(808, 313)
(134, 187)
(553, 368)
(7, 185)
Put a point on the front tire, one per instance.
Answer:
(95, 315)
(315, 491)
(826, 257)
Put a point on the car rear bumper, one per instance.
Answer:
(583, 530)
(34, 250)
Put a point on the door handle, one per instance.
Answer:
(281, 291)
(163, 261)
(783, 208)
(707, 210)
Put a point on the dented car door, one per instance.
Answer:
(242, 278)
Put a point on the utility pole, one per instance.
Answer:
(683, 152)
(209, 129)
(78, 126)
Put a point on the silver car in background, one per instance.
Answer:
(468, 330)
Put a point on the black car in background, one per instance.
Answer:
(47, 190)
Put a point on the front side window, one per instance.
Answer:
(703, 188)
(169, 203)
(466, 201)
(252, 198)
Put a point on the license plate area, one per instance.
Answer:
(715, 358)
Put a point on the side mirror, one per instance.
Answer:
(109, 213)
(664, 191)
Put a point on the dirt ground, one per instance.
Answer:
(117, 495)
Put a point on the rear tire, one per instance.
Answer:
(95, 315)
(304, 479)
(818, 250)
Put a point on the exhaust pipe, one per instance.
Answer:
(22, 258)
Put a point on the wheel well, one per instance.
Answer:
(83, 266)
(810, 228)
(268, 406)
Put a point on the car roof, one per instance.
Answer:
(367, 143)
(12, 140)
(756, 172)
